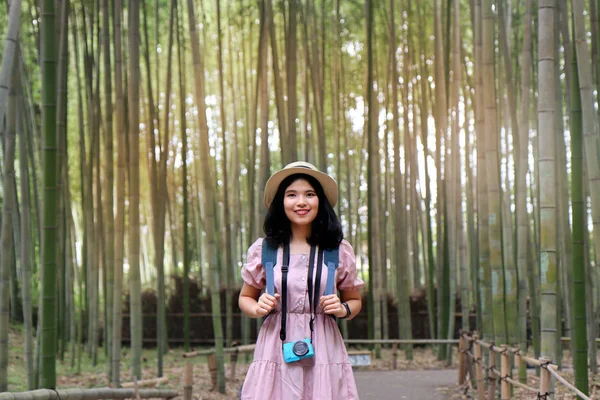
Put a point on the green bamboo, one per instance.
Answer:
(119, 246)
(184, 183)
(491, 166)
(134, 189)
(580, 355)
(6, 233)
(26, 251)
(547, 168)
(8, 53)
(521, 190)
(48, 258)
(590, 134)
(108, 186)
(404, 321)
(209, 203)
(441, 127)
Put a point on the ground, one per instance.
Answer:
(424, 377)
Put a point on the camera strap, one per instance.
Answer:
(313, 295)
(284, 271)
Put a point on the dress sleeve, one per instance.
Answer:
(347, 278)
(253, 272)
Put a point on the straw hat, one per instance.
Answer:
(301, 167)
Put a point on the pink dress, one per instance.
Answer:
(326, 376)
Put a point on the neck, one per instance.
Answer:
(300, 233)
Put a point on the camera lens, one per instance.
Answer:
(300, 348)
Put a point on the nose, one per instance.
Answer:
(301, 200)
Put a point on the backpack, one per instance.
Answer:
(269, 260)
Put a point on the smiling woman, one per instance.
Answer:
(303, 261)
(301, 205)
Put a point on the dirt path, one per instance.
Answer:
(428, 384)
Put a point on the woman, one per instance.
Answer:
(301, 225)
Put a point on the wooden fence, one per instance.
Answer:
(89, 394)
(470, 357)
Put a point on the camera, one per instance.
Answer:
(298, 350)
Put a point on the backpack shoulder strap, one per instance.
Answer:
(269, 259)
(331, 257)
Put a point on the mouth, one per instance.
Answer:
(302, 212)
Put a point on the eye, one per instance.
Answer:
(290, 194)
(311, 194)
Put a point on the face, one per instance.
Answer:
(301, 203)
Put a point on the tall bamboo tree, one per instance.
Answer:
(441, 127)
(108, 170)
(547, 170)
(9, 53)
(404, 320)
(26, 247)
(48, 258)
(208, 201)
(580, 360)
(184, 183)
(492, 173)
(6, 235)
(590, 134)
(135, 307)
(119, 246)
(228, 237)
(522, 167)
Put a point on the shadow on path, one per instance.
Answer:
(426, 385)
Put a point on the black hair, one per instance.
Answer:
(326, 229)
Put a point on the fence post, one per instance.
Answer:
(188, 381)
(479, 369)
(545, 378)
(518, 366)
(461, 359)
(234, 358)
(504, 373)
(212, 369)
(491, 395)
(395, 355)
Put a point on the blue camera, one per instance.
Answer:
(296, 351)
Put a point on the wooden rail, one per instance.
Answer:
(466, 342)
(401, 341)
(89, 394)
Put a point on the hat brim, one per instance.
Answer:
(329, 186)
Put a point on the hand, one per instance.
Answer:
(332, 304)
(266, 303)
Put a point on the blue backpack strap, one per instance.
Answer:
(331, 257)
(269, 259)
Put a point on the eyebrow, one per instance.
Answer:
(295, 190)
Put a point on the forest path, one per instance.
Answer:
(397, 385)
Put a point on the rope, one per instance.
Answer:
(567, 384)
(521, 385)
(57, 394)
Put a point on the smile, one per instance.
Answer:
(302, 212)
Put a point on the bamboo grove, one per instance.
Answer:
(137, 138)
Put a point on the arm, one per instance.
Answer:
(255, 305)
